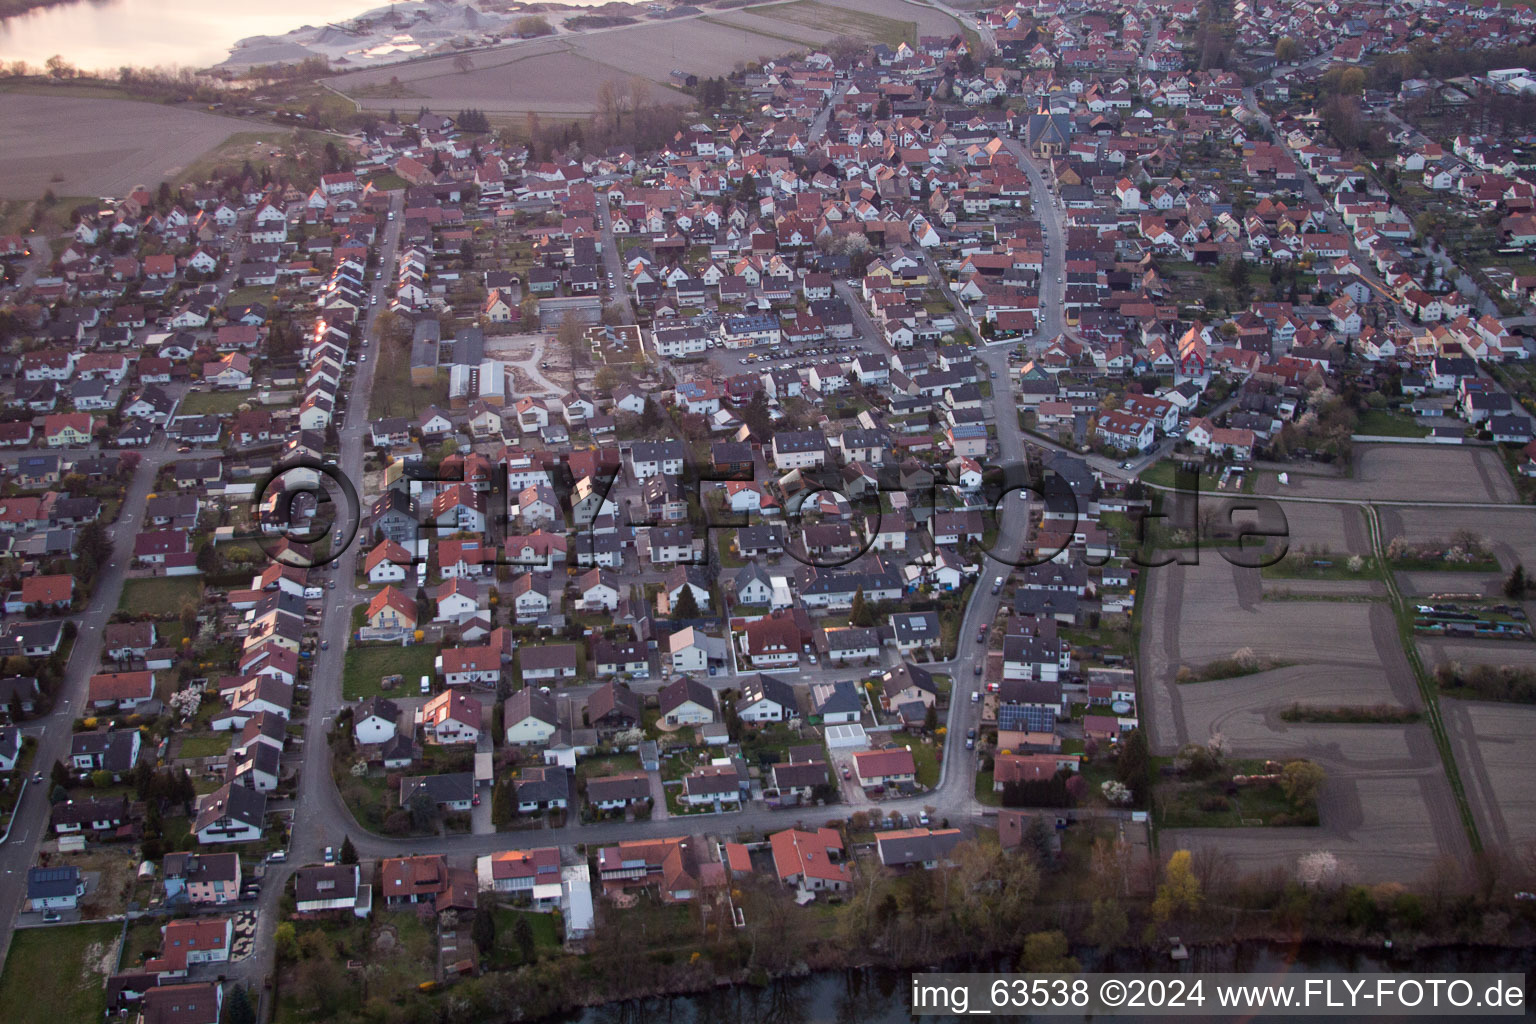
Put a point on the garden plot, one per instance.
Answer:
(1380, 828)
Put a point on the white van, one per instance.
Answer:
(426, 684)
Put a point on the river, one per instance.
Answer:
(881, 996)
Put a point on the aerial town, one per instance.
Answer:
(1056, 492)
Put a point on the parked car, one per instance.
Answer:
(979, 668)
(475, 800)
(330, 855)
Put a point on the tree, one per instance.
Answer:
(522, 934)
(422, 810)
(1107, 926)
(1301, 780)
(686, 606)
(286, 941)
(1287, 49)
(348, 851)
(860, 615)
(483, 930)
(1180, 890)
(931, 719)
(757, 417)
(528, 309)
(1516, 585)
(1039, 838)
(1131, 766)
(239, 1009)
(1047, 952)
(463, 63)
(571, 334)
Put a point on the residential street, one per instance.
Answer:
(53, 731)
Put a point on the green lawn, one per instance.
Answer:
(70, 962)
(161, 596)
(728, 558)
(215, 403)
(923, 756)
(984, 792)
(608, 764)
(204, 745)
(250, 293)
(1384, 423)
(546, 939)
(1161, 474)
(389, 181)
(366, 666)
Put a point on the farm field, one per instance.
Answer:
(831, 20)
(1510, 533)
(74, 959)
(562, 75)
(1520, 654)
(90, 146)
(1407, 472)
(1492, 744)
(1386, 810)
(1380, 829)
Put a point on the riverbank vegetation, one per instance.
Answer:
(1067, 897)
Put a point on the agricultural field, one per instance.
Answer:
(1509, 533)
(1492, 744)
(90, 146)
(562, 75)
(1407, 472)
(1386, 809)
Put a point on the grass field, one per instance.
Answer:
(365, 666)
(280, 147)
(161, 596)
(218, 403)
(72, 963)
(1381, 423)
(208, 745)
